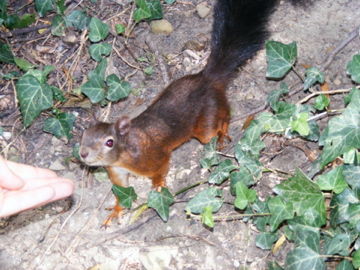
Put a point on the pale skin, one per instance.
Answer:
(23, 187)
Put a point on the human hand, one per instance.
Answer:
(23, 187)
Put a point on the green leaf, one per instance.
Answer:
(58, 26)
(339, 244)
(349, 97)
(98, 50)
(97, 30)
(344, 265)
(76, 151)
(94, 89)
(118, 89)
(280, 211)
(147, 9)
(23, 63)
(119, 28)
(58, 94)
(33, 97)
(274, 266)
(170, 1)
(321, 102)
(342, 133)
(353, 68)
(304, 258)
(265, 240)
(222, 172)
(77, 19)
(274, 96)
(306, 198)
(340, 204)
(161, 201)
(242, 175)
(210, 157)
(280, 58)
(207, 197)
(44, 6)
(356, 259)
(14, 21)
(245, 157)
(60, 6)
(6, 56)
(333, 180)
(3, 8)
(354, 216)
(99, 71)
(149, 70)
(305, 236)
(207, 217)
(312, 76)
(352, 175)
(40, 75)
(300, 124)
(244, 196)
(261, 207)
(125, 195)
(61, 125)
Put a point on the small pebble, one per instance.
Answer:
(161, 27)
(203, 9)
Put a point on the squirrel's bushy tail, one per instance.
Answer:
(239, 31)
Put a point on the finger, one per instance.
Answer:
(26, 171)
(40, 182)
(8, 179)
(63, 188)
(16, 201)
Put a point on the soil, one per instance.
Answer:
(68, 234)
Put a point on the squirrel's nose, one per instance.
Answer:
(84, 154)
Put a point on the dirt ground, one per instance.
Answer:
(67, 234)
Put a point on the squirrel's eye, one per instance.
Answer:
(109, 143)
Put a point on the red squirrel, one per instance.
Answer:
(194, 106)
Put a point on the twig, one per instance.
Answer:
(124, 60)
(25, 30)
(355, 33)
(331, 92)
(233, 217)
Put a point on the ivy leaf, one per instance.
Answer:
(353, 68)
(306, 198)
(274, 266)
(6, 56)
(342, 133)
(160, 201)
(242, 175)
(354, 216)
(118, 89)
(23, 64)
(312, 76)
(207, 197)
(280, 211)
(210, 156)
(321, 102)
(352, 175)
(280, 58)
(58, 94)
(356, 259)
(77, 19)
(125, 195)
(245, 158)
(58, 26)
(207, 217)
(98, 50)
(99, 71)
(274, 96)
(61, 125)
(304, 257)
(340, 206)
(119, 28)
(148, 10)
(94, 89)
(222, 172)
(44, 6)
(60, 6)
(244, 196)
(344, 265)
(305, 236)
(339, 244)
(265, 240)
(333, 180)
(300, 124)
(97, 30)
(33, 97)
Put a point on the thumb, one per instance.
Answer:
(8, 179)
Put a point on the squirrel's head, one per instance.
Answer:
(102, 143)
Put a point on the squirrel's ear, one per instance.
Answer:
(123, 125)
